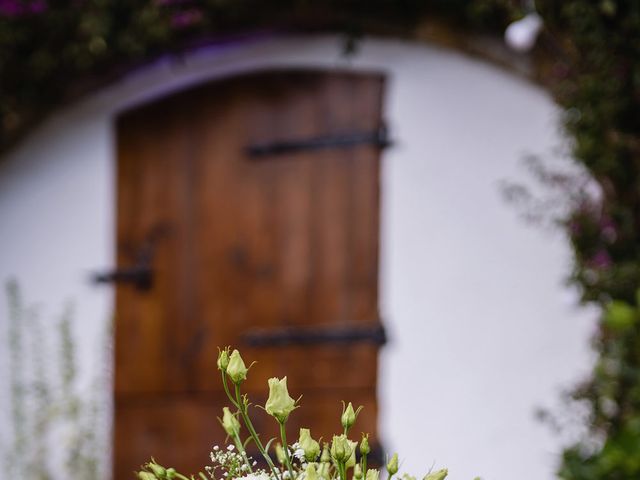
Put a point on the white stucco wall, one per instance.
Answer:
(482, 329)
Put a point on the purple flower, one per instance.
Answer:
(17, 8)
(601, 260)
(186, 19)
(11, 8)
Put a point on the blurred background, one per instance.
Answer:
(420, 208)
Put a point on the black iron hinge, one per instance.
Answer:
(378, 138)
(318, 335)
(140, 272)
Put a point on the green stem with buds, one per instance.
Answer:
(283, 435)
(236, 438)
(242, 407)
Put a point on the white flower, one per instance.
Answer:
(255, 476)
(231, 448)
(299, 454)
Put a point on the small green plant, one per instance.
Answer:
(49, 416)
(611, 448)
(305, 459)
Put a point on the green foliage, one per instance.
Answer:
(613, 394)
(598, 85)
(46, 405)
(53, 53)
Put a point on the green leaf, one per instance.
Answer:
(620, 316)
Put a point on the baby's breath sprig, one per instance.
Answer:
(229, 463)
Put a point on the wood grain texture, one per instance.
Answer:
(288, 240)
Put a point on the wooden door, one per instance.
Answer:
(273, 250)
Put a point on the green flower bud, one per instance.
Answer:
(326, 455)
(372, 474)
(357, 472)
(364, 445)
(236, 369)
(349, 416)
(146, 476)
(158, 470)
(406, 476)
(352, 458)
(230, 423)
(392, 465)
(340, 448)
(171, 473)
(309, 445)
(223, 359)
(280, 455)
(310, 473)
(439, 475)
(324, 471)
(279, 404)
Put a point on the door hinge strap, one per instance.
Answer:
(378, 138)
(328, 335)
(139, 276)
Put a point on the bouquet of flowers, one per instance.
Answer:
(304, 459)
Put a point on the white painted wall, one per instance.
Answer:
(482, 329)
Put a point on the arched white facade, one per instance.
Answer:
(482, 329)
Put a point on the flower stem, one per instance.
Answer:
(364, 465)
(226, 390)
(283, 435)
(236, 438)
(240, 447)
(342, 471)
(242, 407)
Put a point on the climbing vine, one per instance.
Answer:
(54, 51)
(600, 93)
